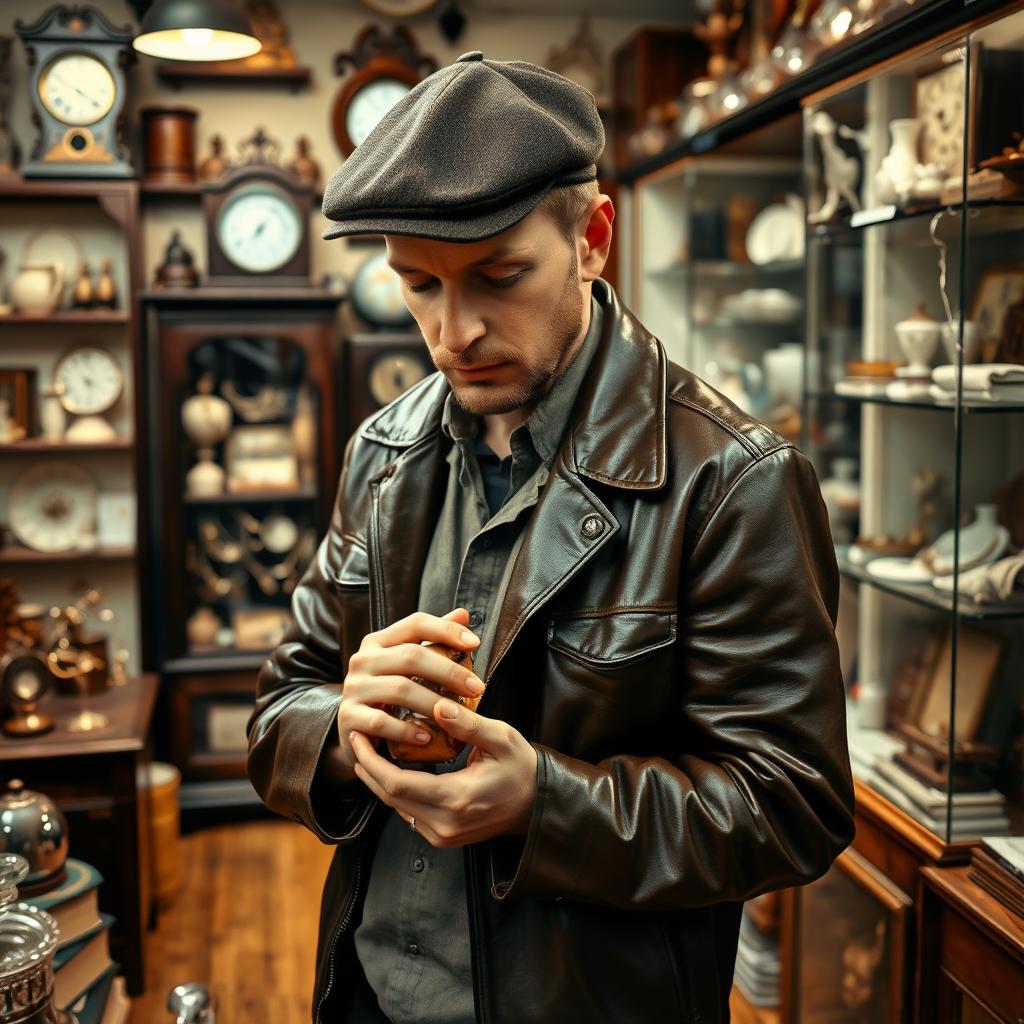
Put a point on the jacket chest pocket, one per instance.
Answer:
(352, 585)
(614, 640)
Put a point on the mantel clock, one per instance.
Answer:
(77, 61)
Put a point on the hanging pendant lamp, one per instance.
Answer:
(195, 30)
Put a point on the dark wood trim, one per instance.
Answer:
(40, 446)
(15, 553)
(179, 73)
(97, 318)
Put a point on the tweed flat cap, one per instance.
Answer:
(466, 154)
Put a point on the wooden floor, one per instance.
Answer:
(244, 924)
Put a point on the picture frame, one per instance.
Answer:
(998, 288)
(939, 104)
(850, 934)
(18, 386)
(115, 519)
(978, 656)
(259, 629)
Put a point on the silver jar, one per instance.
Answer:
(32, 825)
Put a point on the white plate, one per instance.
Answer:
(898, 570)
(776, 233)
(52, 506)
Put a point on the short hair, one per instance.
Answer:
(565, 206)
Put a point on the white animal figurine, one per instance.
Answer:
(841, 169)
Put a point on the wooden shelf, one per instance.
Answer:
(170, 188)
(72, 316)
(229, 659)
(39, 446)
(254, 497)
(65, 188)
(179, 73)
(18, 555)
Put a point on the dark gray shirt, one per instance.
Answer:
(413, 941)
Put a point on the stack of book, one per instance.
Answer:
(85, 979)
(757, 965)
(998, 867)
(975, 814)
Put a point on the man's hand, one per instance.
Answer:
(492, 796)
(379, 677)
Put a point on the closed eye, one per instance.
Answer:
(499, 282)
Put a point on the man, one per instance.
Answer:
(651, 590)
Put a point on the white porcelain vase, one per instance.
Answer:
(983, 541)
(897, 174)
(205, 416)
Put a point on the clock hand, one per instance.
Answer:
(84, 95)
(259, 230)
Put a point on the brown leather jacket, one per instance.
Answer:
(666, 643)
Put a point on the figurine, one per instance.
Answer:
(106, 290)
(841, 169)
(177, 270)
(82, 295)
(272, 33)
(304, 166)
(216, 163)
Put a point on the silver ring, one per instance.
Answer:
(412, 823)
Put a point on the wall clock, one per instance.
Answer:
(376, 294)
(257, 227)
(77, 61)
(384, 67)
(25, 679)
(90, 382)
(381, 366)
(52, 507)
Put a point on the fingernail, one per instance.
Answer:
(423, 737)
(352, 737)
(449, 710)
(469, 638)
(474, 685)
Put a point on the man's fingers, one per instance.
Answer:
(380, 724)
(451, 629)
(398, 785)
(487, 734)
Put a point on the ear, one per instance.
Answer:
(597, 237)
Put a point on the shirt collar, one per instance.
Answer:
(544, 427)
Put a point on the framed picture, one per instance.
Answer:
(977, 662)
(940, 96)
(115, 519)
(18, 389)
(998, 289)
(850, 930)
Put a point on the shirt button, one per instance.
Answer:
(475, 619)
(487, 543)
(412, 949)
(418, 864)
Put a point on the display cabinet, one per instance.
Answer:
(718, 275)
(243, 431)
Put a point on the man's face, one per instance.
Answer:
(500, 317)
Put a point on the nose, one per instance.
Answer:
(461, 324)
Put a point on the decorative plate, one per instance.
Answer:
(52, 507)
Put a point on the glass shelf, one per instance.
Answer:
(925, 595)
(729, 269)
(969, 407)
(987, 216)
(253, 497)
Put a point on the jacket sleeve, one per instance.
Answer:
(760, 795)
(292, 729)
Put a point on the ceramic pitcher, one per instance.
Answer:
(38, 288)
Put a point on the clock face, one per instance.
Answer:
(370, 104)
(77, 89)
(394, 373)
(25, 682)
(91, 381)
(258, 228)
(52, 507)
(377, 294)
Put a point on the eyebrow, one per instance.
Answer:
(497, 256)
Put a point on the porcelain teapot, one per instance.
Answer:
(38, 288)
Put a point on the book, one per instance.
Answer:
(963, 827)
(933, 801)
(119, 1006)
(81, 964)
(1008, 852)
(74, 904)
(91, 1006)
(996, 880)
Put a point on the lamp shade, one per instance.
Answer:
(195, 30)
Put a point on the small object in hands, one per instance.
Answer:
(442, 747)
(216, 163)
(177, 270)
(106, 290)
(82, 294)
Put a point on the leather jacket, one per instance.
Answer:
(667, 645)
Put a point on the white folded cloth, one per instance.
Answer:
(990, 584)
(980, 376)
(1000, 393)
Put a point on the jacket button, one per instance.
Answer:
(412, 949)
(593, 526)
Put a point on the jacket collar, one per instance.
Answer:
(617, 433)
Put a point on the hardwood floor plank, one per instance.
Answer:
(244, 924)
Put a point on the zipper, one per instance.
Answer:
(345, 922)
(475, 951)
(378, 612)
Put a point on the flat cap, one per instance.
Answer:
(467, 153)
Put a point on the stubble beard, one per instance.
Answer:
(566, 324)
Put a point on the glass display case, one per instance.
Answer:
(914, 417)
(719, 275)
(243, 427)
